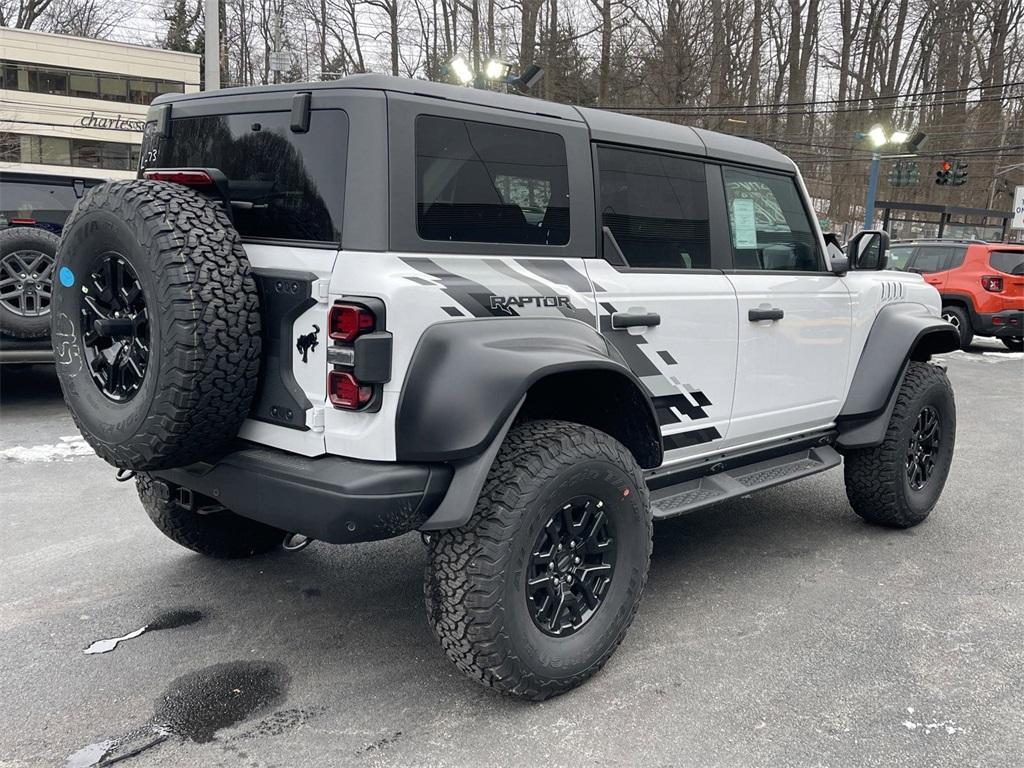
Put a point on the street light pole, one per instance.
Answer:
(869, 204)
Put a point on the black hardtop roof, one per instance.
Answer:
(604, 125)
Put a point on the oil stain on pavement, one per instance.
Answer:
(167, 620)
(194, 708)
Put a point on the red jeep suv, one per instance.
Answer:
(982, 284)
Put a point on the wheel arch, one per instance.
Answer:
(901, 333)
(602, 398)
(470, 381)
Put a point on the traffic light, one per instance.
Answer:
(896, 174)
(944, 176)
(904, 173)
(959, 173)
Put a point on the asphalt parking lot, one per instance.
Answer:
(778, 630)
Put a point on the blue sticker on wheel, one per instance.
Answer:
(67, 277)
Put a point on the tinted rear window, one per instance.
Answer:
(294, 182)
(46, 203)
(1010, 262)
(487, 183)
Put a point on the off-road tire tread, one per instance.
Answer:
(13, 325)
(209, 363)
(467, 565)
(220, 535)
(874, 475)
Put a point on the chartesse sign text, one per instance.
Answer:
(116, 123)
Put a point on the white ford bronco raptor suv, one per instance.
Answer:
(346, 311)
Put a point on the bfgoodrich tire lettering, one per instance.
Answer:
(202, 329)
(476, 578)
(880, 481)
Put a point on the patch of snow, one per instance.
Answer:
(949, 726)
(66, 448)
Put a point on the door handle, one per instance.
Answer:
(628, 320)
(754, 315)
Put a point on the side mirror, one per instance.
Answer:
(839, 265)
(868, 250)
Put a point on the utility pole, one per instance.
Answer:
(869, 204)
(212, 45)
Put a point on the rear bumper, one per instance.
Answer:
(1001, 324)
(330, 498)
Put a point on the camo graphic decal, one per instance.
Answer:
(578, 313)
(470, 295)
(693, 437)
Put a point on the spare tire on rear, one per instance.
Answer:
(156, 324)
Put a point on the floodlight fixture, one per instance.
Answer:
(460, 68)
(876, 135)
(496, 70)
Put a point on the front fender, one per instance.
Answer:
(900, 333)
(467, 376)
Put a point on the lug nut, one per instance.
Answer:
(551, 566)
(577, 560)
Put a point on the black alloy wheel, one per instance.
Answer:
(25, 282)
(115, 327)
(571, 566)
(924, 447)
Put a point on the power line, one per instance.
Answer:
(671, 111)
(815, 103)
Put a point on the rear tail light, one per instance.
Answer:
(354, 383)
(992, 283)
(178, 176)
(348, 321)
(346, 392)
(22, 222)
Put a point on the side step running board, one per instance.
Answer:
(704, 491)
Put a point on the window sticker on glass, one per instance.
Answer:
(744, 223)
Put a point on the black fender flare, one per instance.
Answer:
(466, 382)
(899, 334)
(466, 377)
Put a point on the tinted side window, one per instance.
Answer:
(931, 258)
(486, 183)
(1010, 262)
(899, 255)
(289, 185)
(769, 223)
(957, 257)
(656, 206)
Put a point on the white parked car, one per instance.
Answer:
(351, 310)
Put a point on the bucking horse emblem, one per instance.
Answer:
(307, 342)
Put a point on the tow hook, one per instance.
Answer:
(124, 475)
(293, 542)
